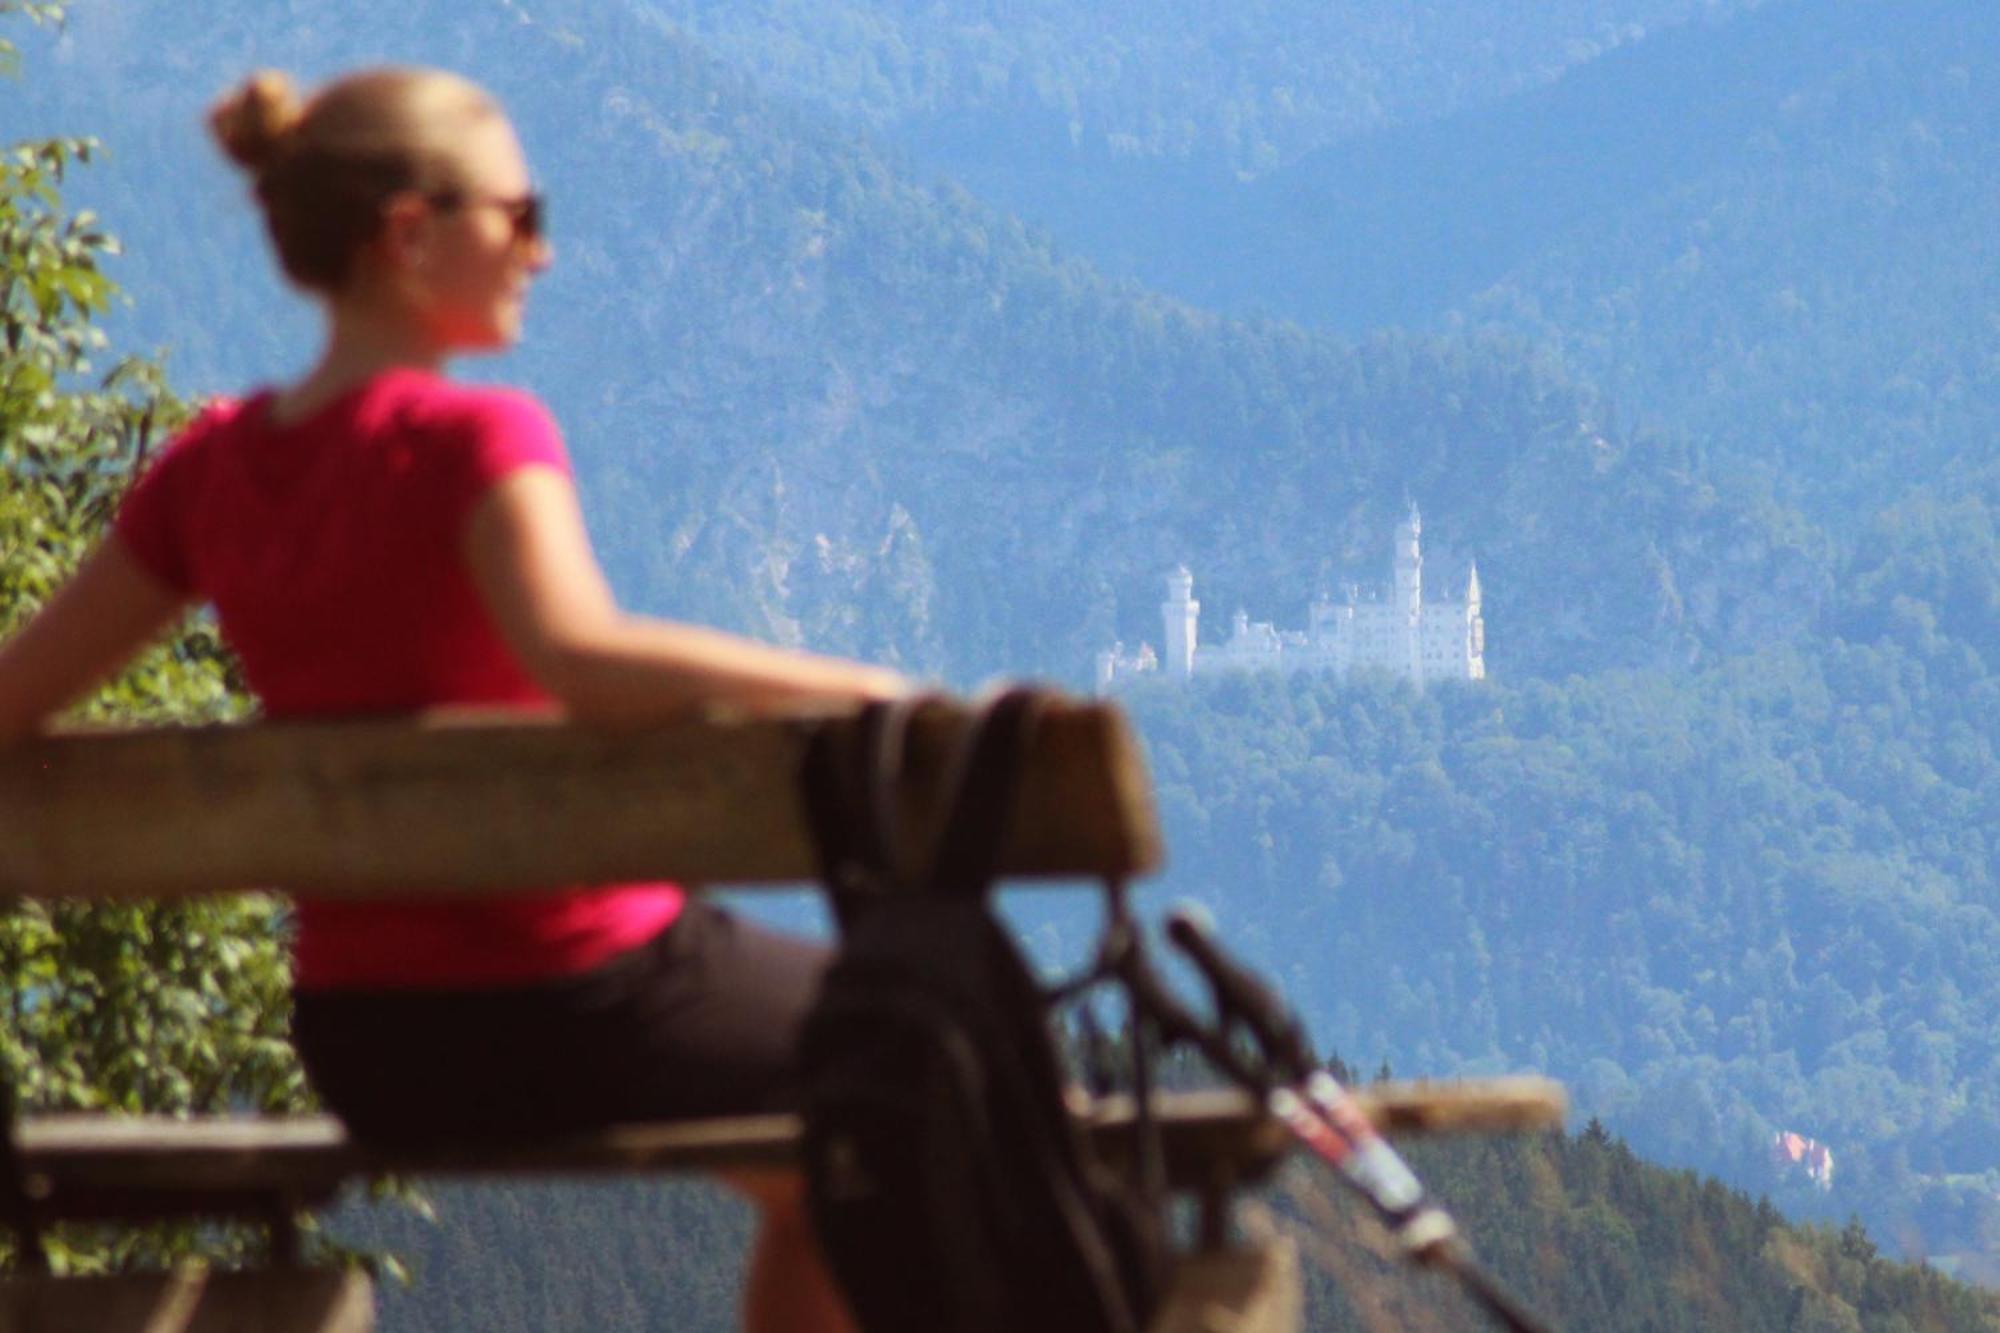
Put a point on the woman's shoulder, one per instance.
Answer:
(481, 430)
(434, 402)
(212, 420)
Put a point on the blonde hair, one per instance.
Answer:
(324, 166)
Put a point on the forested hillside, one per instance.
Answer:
(1238, 87)
(1754, 899)
(1818, 307)
(1597, 1239)
(813, 399)
(1591, 1236)
(1769, 229)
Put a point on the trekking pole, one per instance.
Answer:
(1324, 1116)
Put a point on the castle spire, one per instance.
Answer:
(1180, 615)
(1409, 576)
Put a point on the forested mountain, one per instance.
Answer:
(1589, 1235)
(1770, 229)
(1597, 1239)
(1240, 88)
(1754, 899)
(1818, 307)
(816, 400)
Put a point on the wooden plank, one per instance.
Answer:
(192, 1301)
(1236, 1291)
(107, 1165)
(357, 809)
(96, 1163)
(1514, 1104)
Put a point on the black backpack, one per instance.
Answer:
(950, 1186)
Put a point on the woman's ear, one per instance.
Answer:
(405, 239)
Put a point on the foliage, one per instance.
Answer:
(45, 11)
(125, 1008)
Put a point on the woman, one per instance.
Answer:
(376, 538)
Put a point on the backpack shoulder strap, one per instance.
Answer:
(847, 783)
(982, 786)
(850, 780)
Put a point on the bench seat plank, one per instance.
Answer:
(96, 1165)
(362, 808)
(92, 1164)
(285, 1300)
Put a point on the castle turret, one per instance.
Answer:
(1182, 615)
(1475, 629)
(1409, 603)
(1410, 564)
(1319, 619)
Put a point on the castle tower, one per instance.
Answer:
(1319, 619)
(1409, 595)
(1410, 564)
(1182, 615)
(1475, 628)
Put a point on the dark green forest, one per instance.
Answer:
(1590, 1235)
(1598, 1239)
(1749, 899)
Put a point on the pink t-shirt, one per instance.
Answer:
(331, 550)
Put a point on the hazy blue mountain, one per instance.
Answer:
(1818, 307)
(812, 398)
(1769, 229)
(1244, 86)
(1132, 132)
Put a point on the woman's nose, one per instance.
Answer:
(540, 254)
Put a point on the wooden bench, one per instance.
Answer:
(359, 809)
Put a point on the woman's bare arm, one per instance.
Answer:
(108, 610)
(531, 559)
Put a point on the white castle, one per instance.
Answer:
(1403, 636)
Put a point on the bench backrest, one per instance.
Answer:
(354, 809)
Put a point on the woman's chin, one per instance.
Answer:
(487, 340)
(505, 328)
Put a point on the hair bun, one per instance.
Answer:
(253, 122)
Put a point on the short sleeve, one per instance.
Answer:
(152, 519)
(501, 433)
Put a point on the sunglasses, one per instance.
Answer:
(528, 213)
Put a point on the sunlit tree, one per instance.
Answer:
(124, 1007)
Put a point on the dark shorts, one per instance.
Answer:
(700, 1021)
